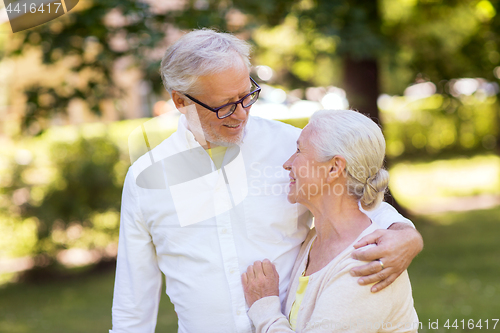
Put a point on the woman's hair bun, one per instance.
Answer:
(374, 189)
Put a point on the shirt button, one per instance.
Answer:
(224, 231)
(238, 313)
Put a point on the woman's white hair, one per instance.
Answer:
(199, 53)
(360, 141)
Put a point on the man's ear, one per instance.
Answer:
(179, 101)
(336, 167)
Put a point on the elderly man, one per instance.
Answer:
(211, 199)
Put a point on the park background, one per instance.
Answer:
(75, 90)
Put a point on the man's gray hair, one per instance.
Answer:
(360, 141)
(199, 53)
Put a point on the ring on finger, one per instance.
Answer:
(381, 263)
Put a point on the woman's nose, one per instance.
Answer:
(288, 164)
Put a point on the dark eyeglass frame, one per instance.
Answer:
(216, 110)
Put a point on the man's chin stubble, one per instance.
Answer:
(225, 142)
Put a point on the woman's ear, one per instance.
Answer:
(336, 168)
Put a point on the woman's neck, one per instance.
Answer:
(338, 216)
(338, 222)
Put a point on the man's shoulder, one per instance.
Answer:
(166, 146)
(153, 156)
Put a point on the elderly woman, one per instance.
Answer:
(336, 168)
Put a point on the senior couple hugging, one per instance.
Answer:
(238, 257)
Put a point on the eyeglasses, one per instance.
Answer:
(228, 109)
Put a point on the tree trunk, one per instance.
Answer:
(361, 83)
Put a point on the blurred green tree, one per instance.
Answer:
(382, 45)
(93, 36)
(86, 189)
(385, 45)
(375, 46)
(370, 46)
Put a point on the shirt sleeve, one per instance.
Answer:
(138, 279)
(385, 215)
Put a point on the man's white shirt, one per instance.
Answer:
(202, 227)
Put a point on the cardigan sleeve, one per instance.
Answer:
(267, 317)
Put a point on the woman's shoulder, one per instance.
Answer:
(344, 260)
(340, 267)
(338, 271)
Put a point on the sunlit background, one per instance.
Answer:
(73, 90)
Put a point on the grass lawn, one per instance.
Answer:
(79, 305)
(455, 277)
(457, 274)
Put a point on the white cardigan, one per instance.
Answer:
(335, 302)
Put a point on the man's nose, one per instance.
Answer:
(240, 113)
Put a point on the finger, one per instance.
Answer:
(257, 268)
(268, 267)
(369, 254)
(367, 269)
(369, 279)
(384, 283)
(250, 272)
(368, 239)
(244, 278)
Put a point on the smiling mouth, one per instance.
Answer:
(233, 126)
(292, 180)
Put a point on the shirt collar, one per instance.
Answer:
(185, 134)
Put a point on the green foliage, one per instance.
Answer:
(305, 41)
(83, 40)
(440, 40)
(439, 125)
(430, 40)
(69, 196)
(356, 23)
(85, 185)
(269, 12)
(19, 237)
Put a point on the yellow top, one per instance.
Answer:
(299, 296)
(217, 155)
